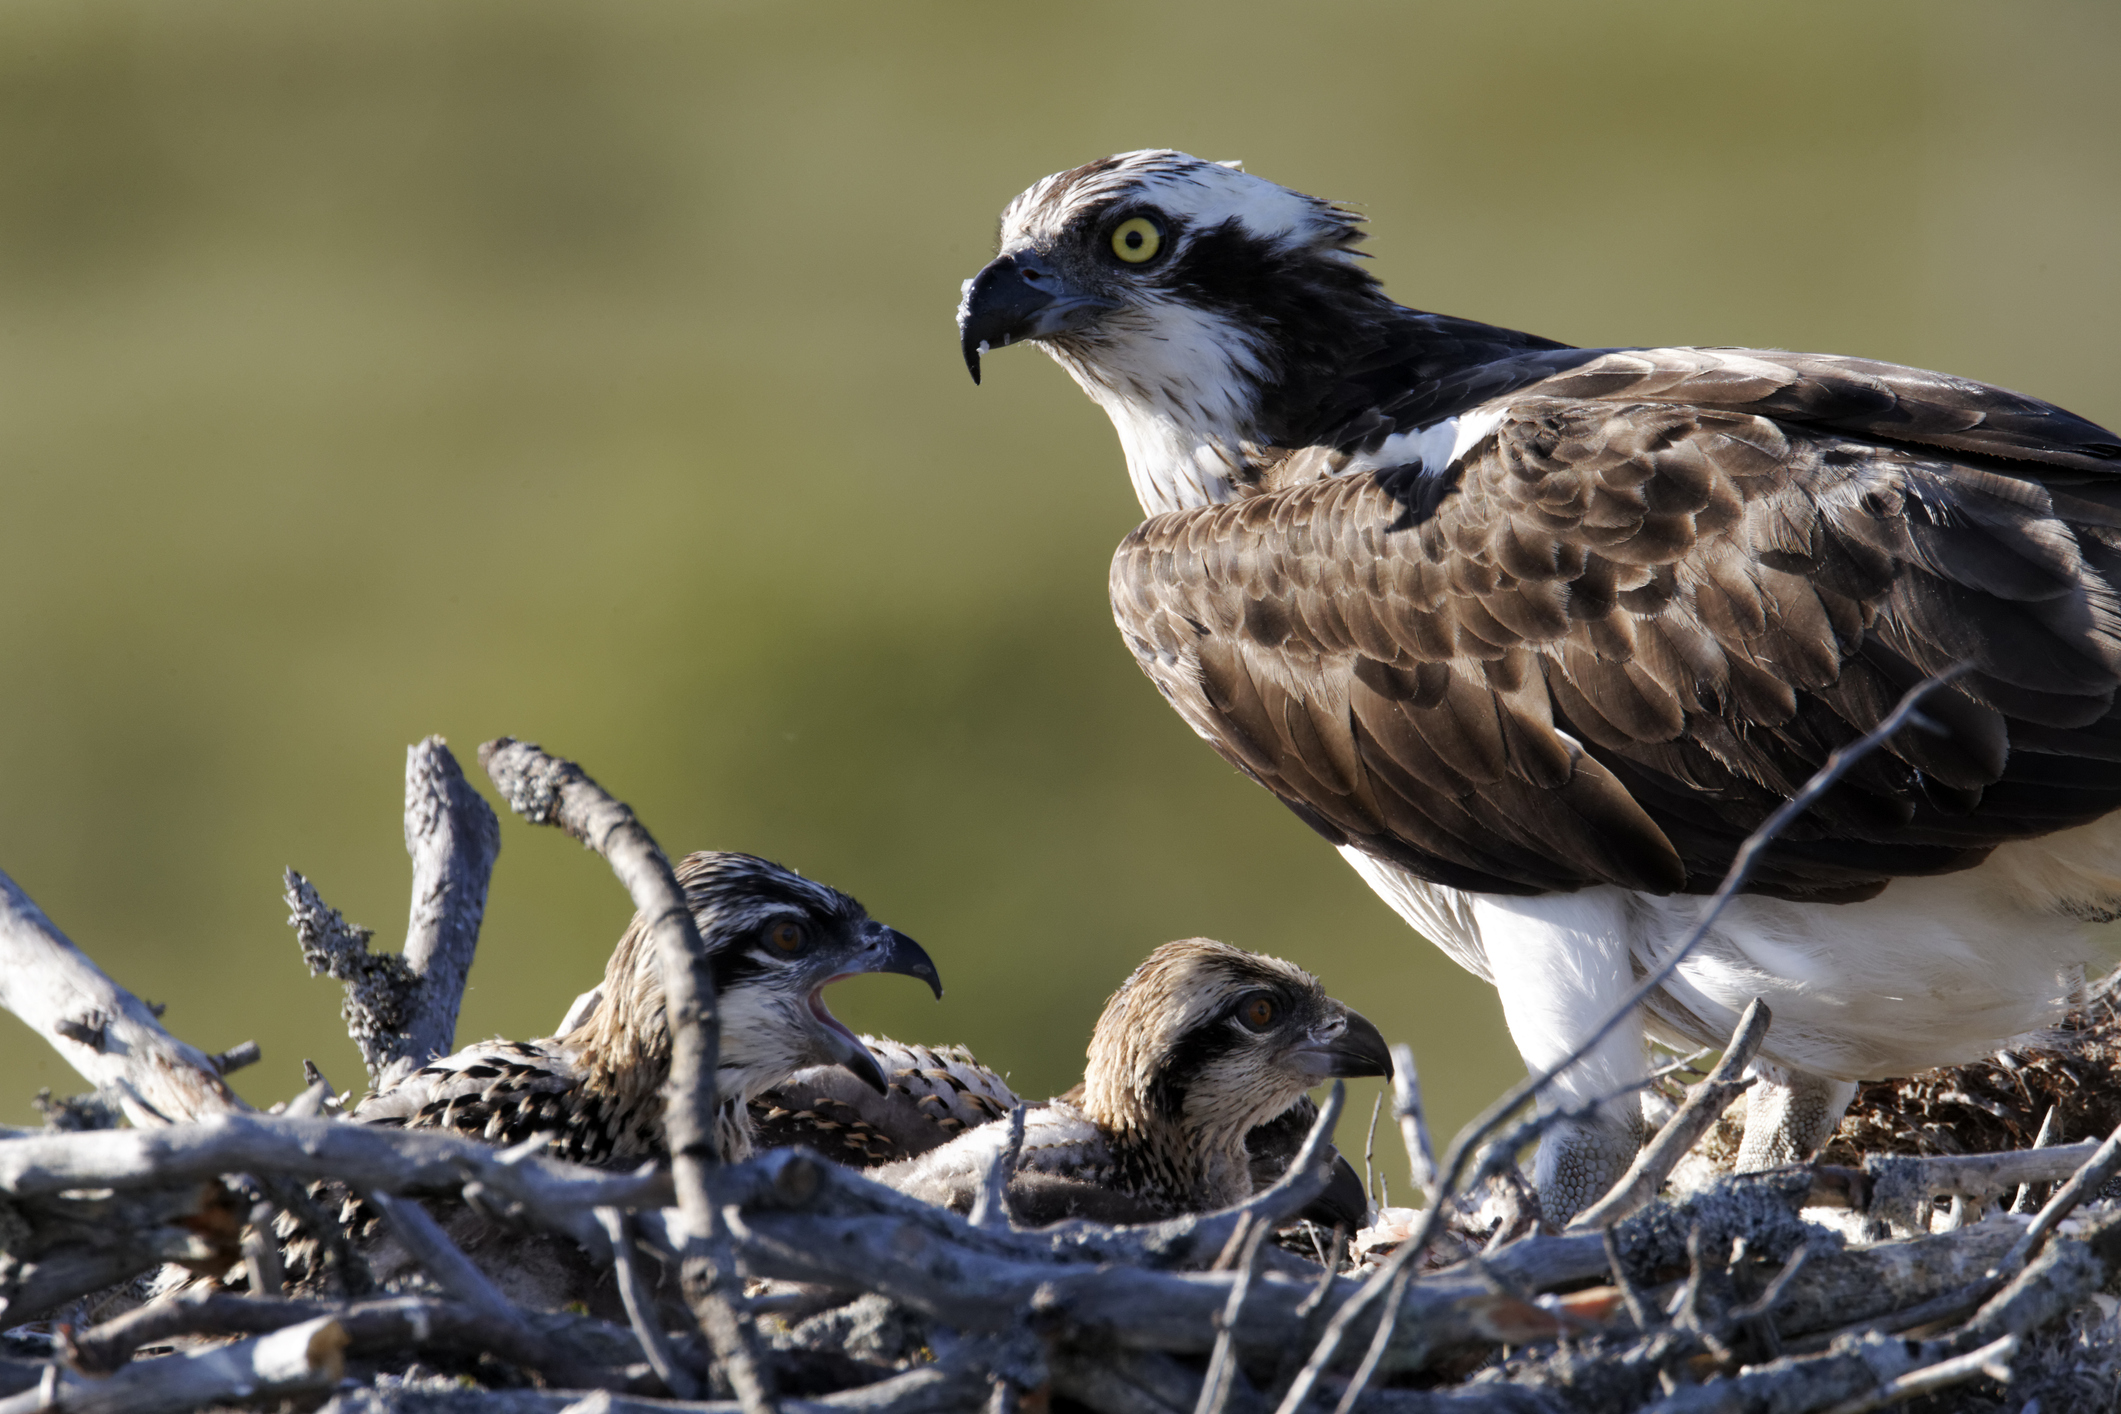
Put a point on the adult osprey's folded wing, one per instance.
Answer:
(1644, 602)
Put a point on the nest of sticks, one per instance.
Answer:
(1951, 1249)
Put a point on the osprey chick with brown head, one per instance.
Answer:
(1537, 636)
(776, 940)
(1200, 1046)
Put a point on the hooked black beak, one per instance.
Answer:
(898, 953)
(885, 950)
(850, 1054)
(1018, 297)
(1359, 1049)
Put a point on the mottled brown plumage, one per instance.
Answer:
(1650, 610)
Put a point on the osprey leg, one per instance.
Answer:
(1561, 965)
(1789, 1115)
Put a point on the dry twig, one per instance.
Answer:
(548, 790)
(302, 1359)
(1704, 1102)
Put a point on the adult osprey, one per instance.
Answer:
(1537, 635)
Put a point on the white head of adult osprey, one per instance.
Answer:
(1537, 635)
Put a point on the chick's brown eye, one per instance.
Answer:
(1257, 1011)
(787, 937)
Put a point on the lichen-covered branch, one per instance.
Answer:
(401, 1008)
(379, 985)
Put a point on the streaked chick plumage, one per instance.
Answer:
(776, 939)
(932, 1095)
(1202, 1045)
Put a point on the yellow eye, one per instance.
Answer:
(1257, 1011)
(1137, 239)
(787, 937)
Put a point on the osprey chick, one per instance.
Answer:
(776, 940)
(1538, 635)
(1200, 1046)
(937, 1093)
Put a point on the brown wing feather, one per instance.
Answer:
(1665, 587)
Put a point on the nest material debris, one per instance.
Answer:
(862, 1298)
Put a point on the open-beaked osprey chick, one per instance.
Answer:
(1201, 1045)
(776, 940)
(1538, 635)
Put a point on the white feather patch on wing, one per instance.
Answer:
(1435, 448)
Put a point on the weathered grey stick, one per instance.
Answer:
(1858, 1371)
(421, 1236)
(261, 1252)
(553, 1192)
(453, 838)
(558, 1194)
(941, 1388)
(2027, 1199)
(301, 1359)
(1223, 1376)
(1704, 1103)
(236, 1057)
(2082, 1184)
(1866, 1288)
(558, 1347)
(1899, 1187)
(101, 1030)
(639, 1299)
(547, 790)
(1413, 1122)
(1992, 1360)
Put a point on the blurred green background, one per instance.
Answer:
(586, 373)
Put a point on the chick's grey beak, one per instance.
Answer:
(893, 951)
(852, 1055)
(1359, 1049)
(883, 950)
(1018, 297)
